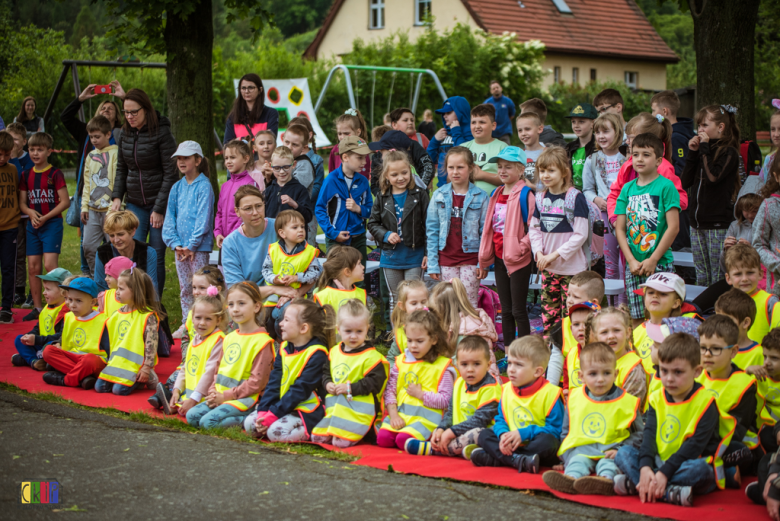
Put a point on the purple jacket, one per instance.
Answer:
(227, 220)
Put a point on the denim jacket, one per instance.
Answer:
(438, 221)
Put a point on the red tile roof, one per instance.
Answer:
(608, 28)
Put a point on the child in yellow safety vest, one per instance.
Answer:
(658, 334)
(769, 390)
(354, 378)
(734, 390)
(107, 302)
(527, 431)
(473, 406)
(244, 362)
(601, 417)
(586, 286)
(48, 328)
(685, 434)
(741, 309)
(291, 405)
(412, 295)
(342, 269)
(133, 332)
(419, 388)
(84, 347)
(578, 321)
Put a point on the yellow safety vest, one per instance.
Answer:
(83, 336)
(643, 345)
(522, 411)
(603, 424)
(238, 354)
(351, 419)
(573, 368)
(285, 265)
(195, 363)
(335, 297)
(110, 304)
(47, 320)
(763, 322)
(189, 326)
(728, 393)
(420, 420)
(626, 364)
(400, 338)
(126, 333)
(465, 403)
(769, 391)
(652, 386)
(292, 367)
(752, 355)
(677, 422)
(568, 338)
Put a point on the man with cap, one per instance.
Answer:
(418, 158)
(505, 111)
(582, 117)
(29, 347)
(345, 199)
(456, 115)
(84, 347)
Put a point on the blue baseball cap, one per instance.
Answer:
(511, 154)
(84, 285)
(447, 107)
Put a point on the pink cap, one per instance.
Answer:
(117, 265)
(657, 333)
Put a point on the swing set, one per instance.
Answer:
(414, 91)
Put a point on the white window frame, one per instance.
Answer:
(557, 74)
(418, 5)
(575, 75)
(376, 9)
(628, 76)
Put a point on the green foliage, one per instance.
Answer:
(298, 16)
(767, 70)
(677, 31)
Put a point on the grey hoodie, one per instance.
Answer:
(766, 239)
(550, 136)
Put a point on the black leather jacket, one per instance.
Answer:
(383, 219)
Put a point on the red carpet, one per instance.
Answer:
(728, 505)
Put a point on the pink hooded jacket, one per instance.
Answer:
(517, 245)
(627, 174)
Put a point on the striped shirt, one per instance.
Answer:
(41, 188)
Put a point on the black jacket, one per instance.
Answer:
(145, 170)
(383, 219)
(418, 158)
(293, 189)
(573, 146)
(106, 252)
(682, 133)
(713, 179)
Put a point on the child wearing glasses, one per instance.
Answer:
(609, 101)
(285, 192)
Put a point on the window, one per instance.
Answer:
(557, 74)
(422, 10)
(575, 75)
(376, 14)
(632, 79)
(562, 6)
(593, 75)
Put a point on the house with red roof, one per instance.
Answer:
(584, 39)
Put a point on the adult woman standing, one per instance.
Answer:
(28, 118)
(249, 114)
(145, 171)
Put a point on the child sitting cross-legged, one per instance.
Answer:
(84, 346)
(530, 415)
(601, 418)
(734, 391)
(684, 436)
(107, 302)
(412, 296)
(473, 406)
(741, 309)
(657, 334)
(354, 377)
(769, 390)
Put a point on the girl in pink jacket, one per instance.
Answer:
(505, 242)
(238, 161)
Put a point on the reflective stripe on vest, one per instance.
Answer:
(602, 424)
(677, 422)
(110, 304)
(335, 297)
(126, 333)
(292, 367)
(238, 355)
(285, 265)
(47, 320)
(573, 367)
(345, 419)
(465, 404)
(522, 411)
(195, 363)
(83, 336)
(728, 393)
(752, 355)
(420, 420)
(761, 325)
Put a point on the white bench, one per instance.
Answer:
(321, 240)
(683, 258)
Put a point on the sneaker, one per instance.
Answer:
(18, 361)
(467, 450)
(417, 447)
(6, 317)
(754, 493)
(624, 487)
(161, 398)
(480, 458)
(738, 457)
(54, 378)
(560, 482)
(32, 315)
(677, 495)
(39, 365)
(597, 485)
(28, 303)
(88, 383)
(529, 464)
(19, 299)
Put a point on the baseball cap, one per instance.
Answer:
(590, 306)
(85, 285)
(354, 144)
(117, 265)
(665, 282)
(187, 149)
(658, 333)
(584, 110)
(511, 154)
(55, 275)
(447, 107)
(392, 139)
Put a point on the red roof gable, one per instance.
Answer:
(612, 28)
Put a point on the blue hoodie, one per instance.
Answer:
(331, 209)
(455, 136)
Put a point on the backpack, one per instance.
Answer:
(488, 300)
(523, 201)
(594, 243)
(751, 157)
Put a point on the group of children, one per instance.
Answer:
(299, 363)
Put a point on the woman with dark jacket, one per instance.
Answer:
(145, 171)
(397, 223)
(249, 114)
(28, 118)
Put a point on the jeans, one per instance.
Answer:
(104, 386)
(85, 267)
(581, 466)
(28, 353)
(221, 416)
(8, 266)
(155, 241)
(694, 473)
(92, 236)
(545, 445)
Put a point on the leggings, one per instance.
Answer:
(707, 246)
(513, 294)
(335, 441)
(289, 429)
(394, 277)
(456, 446)
(389, 439)
(468, 276)
(185, 270)
(554, 291)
